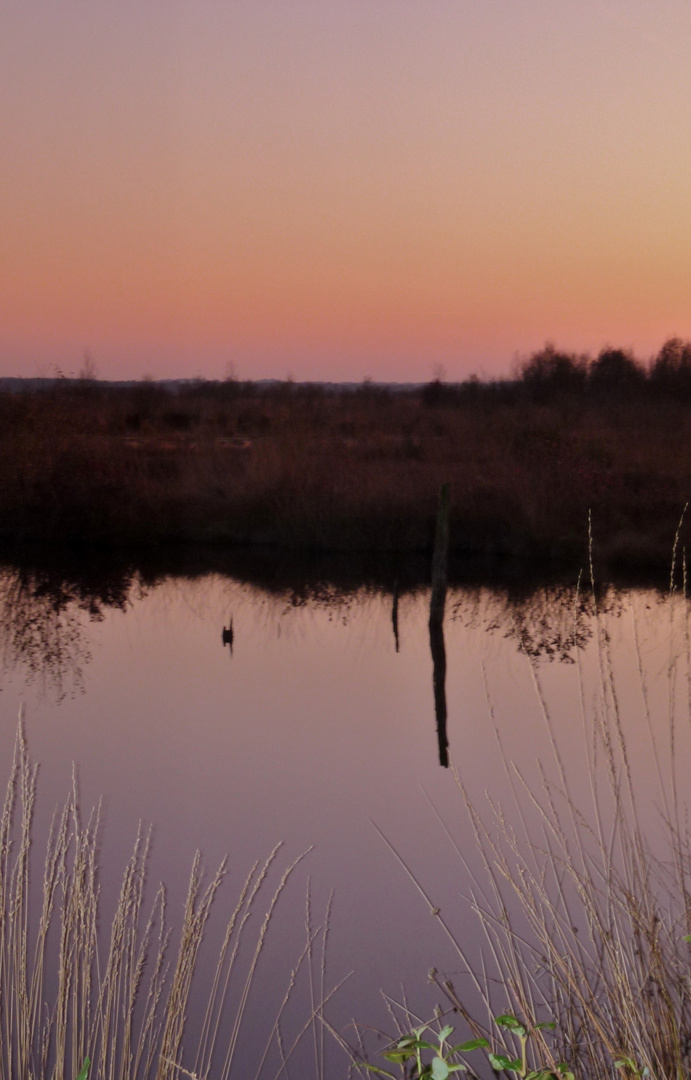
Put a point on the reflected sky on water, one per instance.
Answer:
(321, 722)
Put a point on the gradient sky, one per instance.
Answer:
(340, 188)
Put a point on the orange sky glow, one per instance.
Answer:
(340, 188)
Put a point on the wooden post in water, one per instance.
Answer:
(440, 558)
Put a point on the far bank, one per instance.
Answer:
(349, 469)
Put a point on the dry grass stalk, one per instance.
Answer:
(584, 898)
(64, 997)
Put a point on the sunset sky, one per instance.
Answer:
(336, 189)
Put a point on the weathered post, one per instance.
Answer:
(440, 557)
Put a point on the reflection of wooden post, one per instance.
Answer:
(436, 641)
(436, 620)
(440, 557)
(394, 614)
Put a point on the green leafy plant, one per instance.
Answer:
(629, 1068)
(519, 1065)
(84, 1071)
(434, 1058)
(411, 1049)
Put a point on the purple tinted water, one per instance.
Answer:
(313, 731)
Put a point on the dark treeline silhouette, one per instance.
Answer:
(551, 373)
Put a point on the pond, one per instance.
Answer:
(233, 707)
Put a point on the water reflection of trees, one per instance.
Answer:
(550, 622)
(46, 609)
(44, 617)
(336, 601)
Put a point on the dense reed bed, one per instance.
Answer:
(359, 469)
(74, 988)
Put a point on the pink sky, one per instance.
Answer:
(340, 188)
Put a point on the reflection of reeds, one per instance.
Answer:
(41, 629)
(583, 896)
(63, 998)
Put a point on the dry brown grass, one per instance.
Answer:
(351, 470)
(67, 993)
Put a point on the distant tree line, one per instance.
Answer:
(551, 374)
(548, 375)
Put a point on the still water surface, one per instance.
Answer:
(316, 724)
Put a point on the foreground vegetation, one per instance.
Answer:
(79, 996)
(580, 881)
(359, 469)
